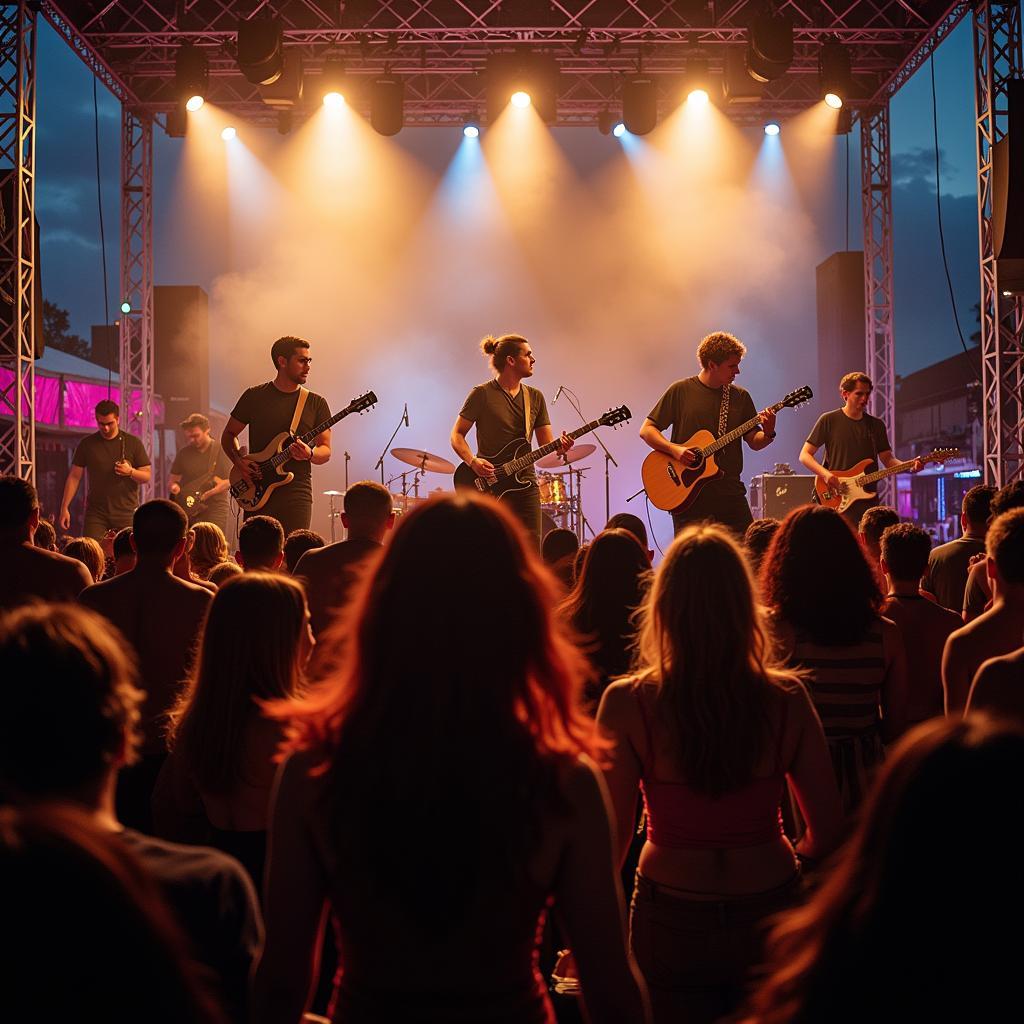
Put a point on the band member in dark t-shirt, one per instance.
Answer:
(199, 474)
(267, 410)
(850, 435)
(696, 403)
(498, 410)
(114, 464)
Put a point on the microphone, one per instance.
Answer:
(405, 415)
(561, 388)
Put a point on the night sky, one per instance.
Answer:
(70, 227)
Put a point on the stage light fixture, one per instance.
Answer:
(471, 130)
(834, 73)
(619, 130)
(523, 79)
(228, 133)
(520, 98)
(284, 122)
(191, 75)
(261, 50)
(769, 47)
(605, 121)
(772, 128)
(332, 84)
(697, 82)
(387, 104)
(126, 306)
(640, 104)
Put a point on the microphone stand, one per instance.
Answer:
(348, 459)
(608, 458)
(380, 462)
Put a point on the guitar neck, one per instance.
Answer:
(880, 474)
(311, 434)
(737, 432)
(527, 460)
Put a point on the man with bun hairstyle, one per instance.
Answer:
(498, 410)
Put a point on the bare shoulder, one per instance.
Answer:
(583, 785)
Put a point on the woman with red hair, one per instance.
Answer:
(438, 796)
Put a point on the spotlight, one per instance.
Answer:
(619, 130)
(126, 306)
(261, 50)
(697, 82)
(772, 128)
(520, 98)
(194, 103)
(191, 75)
(387, 105)
(334, 100)
(834, 73)
(228, 133)
(332, 84)
(698, 98)
(770, 47)
(640, 104)
(471, 130)
(605, 121)
(525, 80)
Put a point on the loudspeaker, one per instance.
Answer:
(1008, 195)
(780, 493)
(840, 293)
(181, 350)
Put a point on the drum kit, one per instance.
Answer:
(561, 486)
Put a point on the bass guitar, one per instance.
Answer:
(672, 485)
(517, 456)
(190, 495)
(853, 480)
(271, 459)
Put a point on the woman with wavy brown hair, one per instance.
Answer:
(917, 918)
(710, 730)
(438, 795)
(825, 604)
(210, 548)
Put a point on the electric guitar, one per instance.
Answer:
(854, 479)
(671, 484)
(271, 459)
(516, 456)
(190, 494)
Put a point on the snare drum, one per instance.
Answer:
(552, 489)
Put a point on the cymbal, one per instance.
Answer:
(423, 460)
(558, 460)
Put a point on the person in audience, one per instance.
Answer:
(884, 937)
(923, 623)
(601, 605)
(122, 551)
(31, 572)
(558, 550)
(710, 730)
(220, 574)
(45, 536)
(182, 567)
(160, 615)
(260, 545)
(756, 540)
(579, 560)
(634, 525)
(825, 603)
(948, 564)
(210, 548)
(978, 589)
(66, 742)
(406, 742)
(1000, 629)
(297, 543)
(873, 523)
(329, 572)
(215, 785)
(998, 687)
(90, 553)
(62, 879)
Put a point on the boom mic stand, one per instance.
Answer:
(608, 458)
(380, 462)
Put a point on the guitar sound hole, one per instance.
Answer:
(698, 461)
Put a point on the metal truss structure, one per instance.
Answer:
(997, 60)
(876, 206)
(17, 238)
(136, 334)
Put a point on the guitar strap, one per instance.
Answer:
(299, 406)
(526, 411)
(723, 411)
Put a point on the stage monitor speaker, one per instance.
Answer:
(7, 300)
(840, 294)
(1008, 195)
(181, 350)
(783, 492)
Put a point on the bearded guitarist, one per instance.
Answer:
(199, 474)
(282, 404)
(711, 401)
(850, 435)
(503, 410)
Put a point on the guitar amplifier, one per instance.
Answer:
(773, 495)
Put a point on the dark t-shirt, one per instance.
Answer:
(849, 441)
(193, 465)
(268, 411)
(946, 575)
(499, 418)
(690, 405)
(108, 492)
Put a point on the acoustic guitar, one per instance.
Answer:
(272, 458)
(671, 484)
(854, 479)
(517, 456)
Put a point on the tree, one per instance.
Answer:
(57, 331)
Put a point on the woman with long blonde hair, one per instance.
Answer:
(710, 730)
(210, 548)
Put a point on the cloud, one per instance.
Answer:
(916, 167)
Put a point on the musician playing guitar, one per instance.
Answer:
(711, 401)
(504, 409)
(268, 409)
(850, 435)
(201, 468)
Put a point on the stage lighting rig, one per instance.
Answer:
(640, 104)
(191, 76)
(387, 104)
(261, 50)
(834, 74)
(769, 47)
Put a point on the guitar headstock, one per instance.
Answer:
(613, 417)
(940, 455)
(363, 402)
(797, 397)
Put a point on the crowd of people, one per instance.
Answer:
(403, 776)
